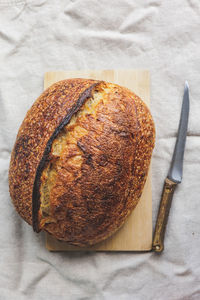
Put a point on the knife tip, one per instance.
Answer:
(186, 85)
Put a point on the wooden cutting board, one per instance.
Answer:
(136, 233)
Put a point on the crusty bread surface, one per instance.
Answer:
(80, 160)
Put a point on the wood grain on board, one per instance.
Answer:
(136, 233)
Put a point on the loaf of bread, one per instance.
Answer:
(80, 160)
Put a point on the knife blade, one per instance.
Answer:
(174, 176)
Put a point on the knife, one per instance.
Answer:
(174, 176)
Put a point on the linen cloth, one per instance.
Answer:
(163, 36)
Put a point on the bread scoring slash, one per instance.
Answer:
(80, 160)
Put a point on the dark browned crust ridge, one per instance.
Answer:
(39, 124)
(36, 187)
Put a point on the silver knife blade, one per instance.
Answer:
(176, 169)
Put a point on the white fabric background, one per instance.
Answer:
(163, 36)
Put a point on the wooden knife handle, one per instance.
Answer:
(163, 213)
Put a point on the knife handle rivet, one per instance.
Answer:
(157, 247)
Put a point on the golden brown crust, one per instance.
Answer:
(99, 176)
(40, 122)
(90, 202)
